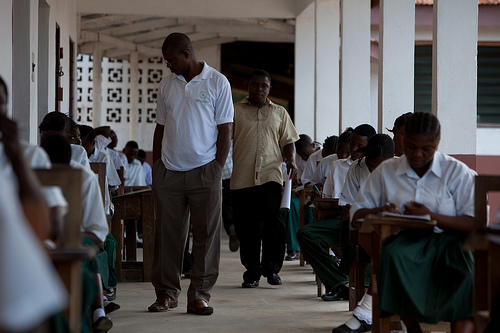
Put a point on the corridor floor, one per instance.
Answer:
(291, 307)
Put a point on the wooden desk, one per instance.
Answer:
(486, 246)
(131, 207)
(374, 231)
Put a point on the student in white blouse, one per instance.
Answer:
(437, 279)
(135, 175)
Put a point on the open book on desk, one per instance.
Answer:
(411, 221)
(403, 216)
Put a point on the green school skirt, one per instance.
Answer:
(425, 276)
(99, 264)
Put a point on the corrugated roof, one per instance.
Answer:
(481, 2)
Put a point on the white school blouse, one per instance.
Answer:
(93, 214)
(447, 188)
(79, 155)
(323, 168)
(336, 178)
(135, 174)
(311, 164)
(356, 176)
(30, 289)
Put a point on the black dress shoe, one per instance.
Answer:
(337, 294)
(345, 329)
(250, 284)
(274, 279)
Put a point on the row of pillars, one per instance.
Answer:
(329, 97)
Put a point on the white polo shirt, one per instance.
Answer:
(311, 164)
(356, 176)
(190, 112)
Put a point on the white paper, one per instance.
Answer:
(287, 194)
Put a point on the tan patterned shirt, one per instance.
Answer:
(258, 135)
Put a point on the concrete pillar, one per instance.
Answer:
(6, 51)
(304, 72)
(96, 85)
(355, 63)
(134, 94)
(396, 60)
(454, 74)
(327, 118)
(24, 61)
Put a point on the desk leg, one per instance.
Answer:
(148, 237)
(117, 232)
(130, 241)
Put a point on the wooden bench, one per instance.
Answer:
(69, 254)
(129, 208)
(485, 242)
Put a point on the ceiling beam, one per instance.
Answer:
(214, 41)
(275, 25)
(159, 33)
(119, 43)
(107, 20)
(208, 8)
(139, 27)
(196, 37)
(88, 48)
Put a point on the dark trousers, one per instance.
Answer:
(227, 206)
(258, 222)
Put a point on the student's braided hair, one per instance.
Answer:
(423, 123)
(346, 135)
(378, 145)
(331, 143)
(401, 121)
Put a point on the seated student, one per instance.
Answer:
(304, 147)
(74, 137)
(146, 168)
(94, 154)
(329, 148)
(135, 173)
(119, 159)
(94, 227)
(58, 123)
(398, 131)
(423, 276)
(311, 239)
(342, 151)
(31, 291)
(336, 177)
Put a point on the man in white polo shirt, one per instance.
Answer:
(190, 145)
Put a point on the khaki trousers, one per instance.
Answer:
(197, 191)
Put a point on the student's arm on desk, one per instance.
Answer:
(223, 142)
(463, 224)
(361, 213)
(157, 139)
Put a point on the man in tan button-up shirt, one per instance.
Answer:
(262, 132)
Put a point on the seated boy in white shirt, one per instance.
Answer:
(135, 174)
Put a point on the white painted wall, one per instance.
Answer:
(488, 141)
(6, 42)
(304, 72)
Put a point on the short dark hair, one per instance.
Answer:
(55, 121)
(260, 72)
(132, 144)
(423, 123)
(58, 149)
(400, 121)
(87, 133)
(4, 86)
(303, 141)
(141, 154)
(365, 130)
(177, 42)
